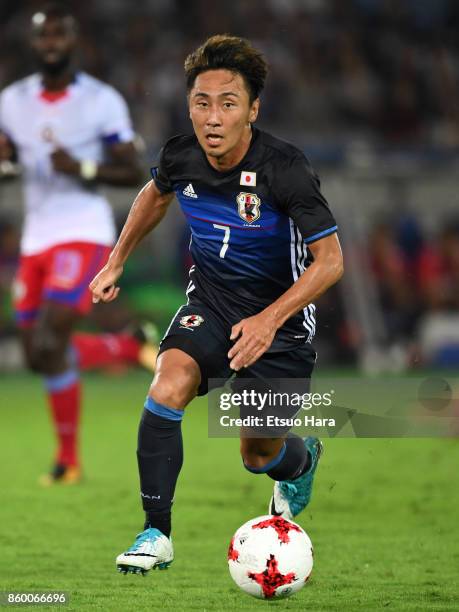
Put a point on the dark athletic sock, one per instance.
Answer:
(292, 461)
(160, 458)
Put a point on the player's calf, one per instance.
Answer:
(258, 454)
(160, 459)
(46, 349)
(279, 458)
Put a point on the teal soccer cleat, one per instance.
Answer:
(290, 497)
(151, 550)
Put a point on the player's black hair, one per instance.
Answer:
(223, 51)
(54, 10)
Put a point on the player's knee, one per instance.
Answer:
(174, 388)
(45, 354)
(29, 357)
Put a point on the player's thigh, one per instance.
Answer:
(198, 331)
(27, 290)
(27, 293)
(295, 364)
(278, 380)
(287, 371)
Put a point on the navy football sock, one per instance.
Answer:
(292, 461)
(160, 458)
(295, 462)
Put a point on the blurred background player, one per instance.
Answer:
(69, 131)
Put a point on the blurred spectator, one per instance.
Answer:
(418, 288)
(383, 67)
(438, 271)
(395, 284)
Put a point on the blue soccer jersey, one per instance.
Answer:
(250, 226)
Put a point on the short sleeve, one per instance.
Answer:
(2, 112)
(298, 193)
(160, 174)
(3, 118)
(116, 123)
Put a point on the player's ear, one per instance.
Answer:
(253, 114)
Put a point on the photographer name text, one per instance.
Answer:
(275, 421)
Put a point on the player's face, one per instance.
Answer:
(221, 113)
(53, 40)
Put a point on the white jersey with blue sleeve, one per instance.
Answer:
(82, 119)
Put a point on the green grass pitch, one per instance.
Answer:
(383, 518)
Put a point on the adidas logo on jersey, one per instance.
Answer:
(189, 191)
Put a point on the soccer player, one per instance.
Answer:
(264, 246)
(69, 131)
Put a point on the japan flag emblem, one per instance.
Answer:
(249, 179)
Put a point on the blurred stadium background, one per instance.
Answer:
(368, 88)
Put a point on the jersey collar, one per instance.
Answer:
(51, 97)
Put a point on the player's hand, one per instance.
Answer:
(103, 286)
(6, 148)
(254, 336)
(65, 163)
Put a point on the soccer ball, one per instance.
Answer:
(270, 557)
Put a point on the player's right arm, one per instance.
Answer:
(6, 148)
(148, 209)
(8, 153)
(8, 158)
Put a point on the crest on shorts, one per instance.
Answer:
(66, 269)
(191, 321)
(248, 206)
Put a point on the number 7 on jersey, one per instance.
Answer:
(226, 238)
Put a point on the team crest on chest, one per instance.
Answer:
(248, 206)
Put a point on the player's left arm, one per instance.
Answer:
(256, 333)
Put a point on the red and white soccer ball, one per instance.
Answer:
(270, 557)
